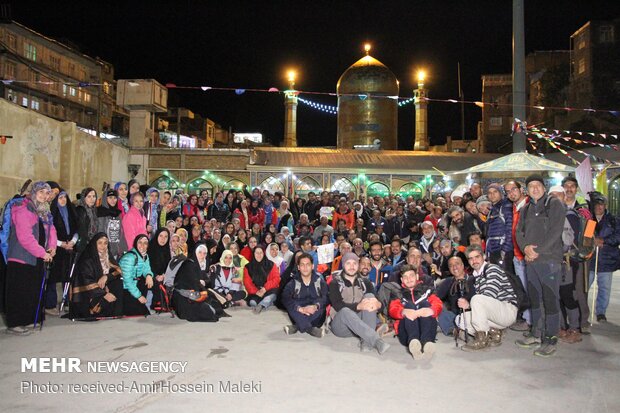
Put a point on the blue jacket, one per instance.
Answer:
(134, 267)
(297, 294)
(5, 228)
(499, 227)
(607, 228)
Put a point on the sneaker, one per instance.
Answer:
(585, 329)
(601, 318)
(520, 325)
(291, 329)
(415, 348)
(52, 311)
(528, 341)
(258, 309)
(18, 331)
(383, 329)
(572, 336)
(429, 350)
(381, 346)
(317, 332)
(548, 348)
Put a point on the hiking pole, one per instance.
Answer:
(65, 291)
(113, 317)
(46, 267)
(594, 287)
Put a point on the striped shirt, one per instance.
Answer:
(493, 282)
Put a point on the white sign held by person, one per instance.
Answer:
(325, 253)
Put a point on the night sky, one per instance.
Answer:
(250, 44)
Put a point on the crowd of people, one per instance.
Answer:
(468, 264)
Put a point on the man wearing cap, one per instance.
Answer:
(539, 235)
(499, 247)
(580, 206)
(354, 306)
(607, 239)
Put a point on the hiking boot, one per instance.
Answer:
(548, 347)
(585, 329)
(291, 329)
(429, 350)
(317, 332)
(520, 325)
(481, 341)
(495, 337)
(562, 333)
(572, 336)
(415, 348)
(528, 341)
(258, 309)
(601, 318)
(52, 311)
(18, 331)
(381, 346)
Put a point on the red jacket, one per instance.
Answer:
(273, 280)
(258, 218)
(349, 218)
(396, 306)
(239, 214)
(516, 214)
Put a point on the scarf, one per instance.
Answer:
(246, 220)
(159, 256)
(104, 259)
(259, 271)
(277, 260)
(90, 212)
(64, 213)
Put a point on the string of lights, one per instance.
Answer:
(333, 110)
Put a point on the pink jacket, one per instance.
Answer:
(26, 223)
(134, 224)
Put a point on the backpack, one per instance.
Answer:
(5, 225)
(317, 287)
(523, 300)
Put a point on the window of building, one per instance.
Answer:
(30, 51)
(581, 68)
(606, 34)
(72, 91)
(55, 62)
(10, 70)
(25, 101)
(34, 103)
(495, 122)
(82, 75)
(106, 88)
(11, 41)
(11, 95)
(86, 97)
(71, 69)
(64, 90)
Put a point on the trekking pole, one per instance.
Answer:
(65, 291)
(46, 267)
(594, 287)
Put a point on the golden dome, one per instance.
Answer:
(368, 75)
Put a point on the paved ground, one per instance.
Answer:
(300, 373)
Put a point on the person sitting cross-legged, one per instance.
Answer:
(305, 300)
(416, 314)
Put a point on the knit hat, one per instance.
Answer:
(495, 186)
(557, 188)
(483, 200)
(39, 186)
(348, 257)
(533, 178)
(457, 193)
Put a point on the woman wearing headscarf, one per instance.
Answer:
(109, 222)
(243, 213)
(297, 209)
(32, 242)
(261, 279)
(273, 255)
(227, 282)
(86, 218)
(175, 245)
(231, 200)
(134, 222)
(182, 233)
(65, 222)
(159, 257)
(242, 239)
(190, 208)
(257, 214)
(151, 210)
(123, 197)
(239, 261)
(133, 186)
(285, 218)
(97, 287)
(190, 298)
(137, 277)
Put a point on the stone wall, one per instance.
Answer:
(45, 149)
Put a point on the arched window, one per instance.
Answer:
(305, 185)
(614, 196)
(232, 184)
(412, 189)
(200, 184)
(378, 189)
(272, 184)
(164, 183)
(343, 185)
